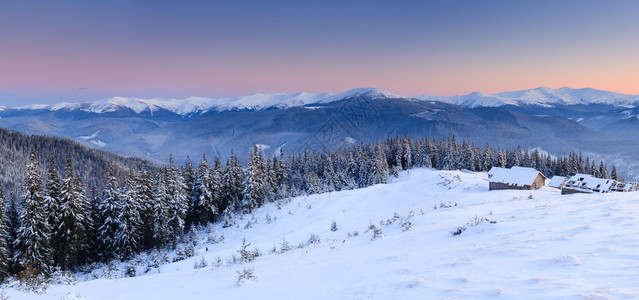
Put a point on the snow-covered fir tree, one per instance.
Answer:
(52, 195)
(146, 198)
(178, 202)
(233, 185)
(161, 229)
(281, 175)
(110, 213)
(84, 202)
(603, 171)
(4, 249)
(69, 233)
(95, 219)
(254, 183)
(330, 183)
(380, 167)
(130, 230)
(34, 236)
(189, 178)
(216, 178)
(312, 183)
(12, 227)
(204, 206)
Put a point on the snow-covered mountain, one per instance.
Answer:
(511, 244)
(199, 105)
(542, 96)
(597, 122)
(154, 129)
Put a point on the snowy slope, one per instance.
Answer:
(540, 96)
(194, 105)
(533, 245)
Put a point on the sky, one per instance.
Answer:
(54, 51)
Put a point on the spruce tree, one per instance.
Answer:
(312, 183)
(110, 213)
(189, 176)
(144, 187)
(254, 185)
(270, 180)
(84, 204)
(205, 207)
(161, 229)
(95, 220)
(52, 195)
(233, 187)
(380, 167)
(603, 171)
(69, 233)
(130, 230)
(487, 162)
(4, 249)
(502, 160)
(12, 229)
(34, 235)
(216, 180)
(407, 156)
(281, 174)
(330, 178)
(178, 202)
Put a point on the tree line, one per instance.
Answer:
(61, 222)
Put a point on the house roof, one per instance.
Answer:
(557, 181)
(588, 183)
(518, 176)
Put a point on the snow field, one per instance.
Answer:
(514, 245)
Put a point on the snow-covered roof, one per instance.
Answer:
(518, 176)
(586, 182)
(557, 181)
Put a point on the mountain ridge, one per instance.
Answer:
(200, 105)
(541, 96)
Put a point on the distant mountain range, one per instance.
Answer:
(200, 105)
(603, 124)
(541, 96)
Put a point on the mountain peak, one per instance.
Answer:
(367, 91)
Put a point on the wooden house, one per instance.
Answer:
(515, 178)
(621, 186)
(557, 182)
(586, 183)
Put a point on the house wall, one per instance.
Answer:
(568, 191)
(504, 186)
(539, 182)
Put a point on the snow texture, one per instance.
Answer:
(515, 245)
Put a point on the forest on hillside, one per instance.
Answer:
(63, 220)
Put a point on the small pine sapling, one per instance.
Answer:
(334, 226)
